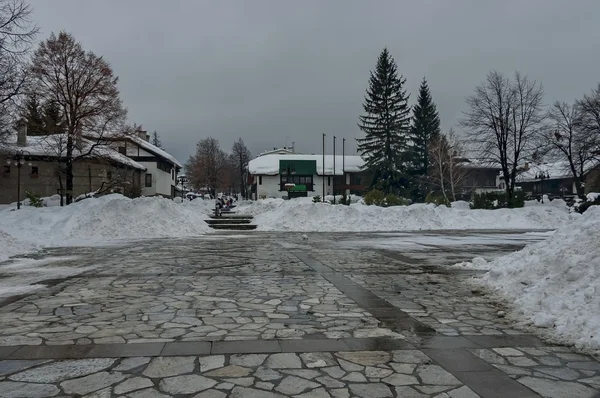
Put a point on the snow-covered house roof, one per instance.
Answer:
(550, 171)
(54, 146)
(269, 164)
(473, 163)
(154, 149)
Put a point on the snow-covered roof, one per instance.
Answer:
(472, 163)
(55, 146)
(154, 149)
(269, 164)
(553, 170)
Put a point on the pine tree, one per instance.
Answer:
(425, 130)
(156, 140)
(386, 124)
(52, 119)
(33, 115)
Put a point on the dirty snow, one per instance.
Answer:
(111, 218)
(303, 215)
(554, 284)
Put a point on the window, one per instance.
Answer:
(259, 180)
(123, 150)
(109, 175)
(35, 172)
(172, 174)
(6, 169)
(148, 180)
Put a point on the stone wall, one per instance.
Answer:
(89, 175)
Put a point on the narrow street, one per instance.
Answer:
(273, 315)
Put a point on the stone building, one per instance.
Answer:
(36, 164)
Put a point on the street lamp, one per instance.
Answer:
(333, 178)
(182, 180)
(18, 159)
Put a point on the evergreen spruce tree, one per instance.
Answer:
(52, 120)
(156, 140)
(425, 130)
(386, 124)
(33, 115)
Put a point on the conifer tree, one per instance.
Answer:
(386, 124)
(156, 140)
(425, 130)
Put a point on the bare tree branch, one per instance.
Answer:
(504, 119)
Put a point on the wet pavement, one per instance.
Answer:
(273, 315)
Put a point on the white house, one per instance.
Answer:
(276, 175)
(161, 168)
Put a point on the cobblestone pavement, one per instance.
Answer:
(273, 315)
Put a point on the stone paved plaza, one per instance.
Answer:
(274, 315)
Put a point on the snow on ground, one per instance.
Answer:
(555, 284)
(303, 215)
(23, 275)
(97, 221)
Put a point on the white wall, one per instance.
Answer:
(161, 180)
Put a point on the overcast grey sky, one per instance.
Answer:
(273, 72)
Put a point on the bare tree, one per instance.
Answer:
(589, 108)
(17, 33)
(241, 157)
(84, 87)
(568, 138)
(446, 173)
(504, 118)
(205, 168)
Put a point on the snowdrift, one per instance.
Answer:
(303, 215)
(555, 284)
(98, 220)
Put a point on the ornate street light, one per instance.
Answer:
(18, 159)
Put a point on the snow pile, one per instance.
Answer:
(555, 283)
(303, 215)
(99, 220)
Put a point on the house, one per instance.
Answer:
(276, 175)
(478, 176)
(556, 179)
(160, 178)
(36, 164)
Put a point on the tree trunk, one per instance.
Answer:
(69, 169)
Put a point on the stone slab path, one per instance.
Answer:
(273, 315)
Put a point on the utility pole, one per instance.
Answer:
(333, 178)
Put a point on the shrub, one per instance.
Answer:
(34, 200)
(374, 197)
(345, 200)
(316, 199)
(437, 200)
(497, 200)
(393, 200)
(586, 205)
(262, 196)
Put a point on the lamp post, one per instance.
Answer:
(18, 159)
(344, 162)
(333, 177)
(182, 180)
(323, 169)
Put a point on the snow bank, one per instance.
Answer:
(98, 220)
(555, 284)
(303, 215)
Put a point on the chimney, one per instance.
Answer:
(21, 132)
(143, 134)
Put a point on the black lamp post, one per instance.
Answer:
(18, 159)
(344, 163)
(182, 180)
